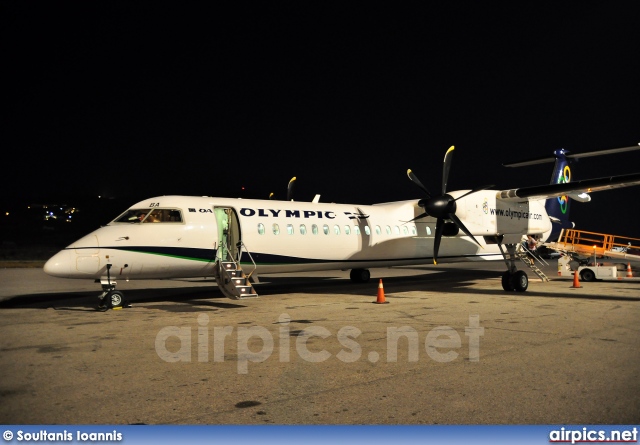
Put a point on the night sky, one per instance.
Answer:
(137, 100)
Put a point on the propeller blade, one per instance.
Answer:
(422, 215)
(455, 219)
(475, 189)
(417, 182)
(436, 240)
(290, 189)
(446, 167)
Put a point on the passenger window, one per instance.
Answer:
(413, 230)
(276, 229)
(290, 229)
(378, 231)
(388, 230)
(325, 229)
(347, 230)
(396, 230)
(303, 229)
(405, 231)
(367, 230)
(356, 230)
(314, 229)
(260, 229)
(336, 229)
(428, 230)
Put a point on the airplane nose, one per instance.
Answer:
(59, 265)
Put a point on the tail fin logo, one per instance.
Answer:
(564, 178)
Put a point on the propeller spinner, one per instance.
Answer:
(442, 207)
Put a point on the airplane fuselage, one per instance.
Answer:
(291, 236)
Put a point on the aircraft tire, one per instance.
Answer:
(114, 298)
(360, 275)
(507, 282)
(520, 281)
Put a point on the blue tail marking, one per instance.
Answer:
(558, 208)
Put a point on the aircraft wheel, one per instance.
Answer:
(114, 298)
(507, 283)
(587, 275)
(360, 275)
(520, 281)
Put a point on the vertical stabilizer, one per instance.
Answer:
(558, 208)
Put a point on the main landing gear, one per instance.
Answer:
(513, 279)
(516, 280)
(110, 297)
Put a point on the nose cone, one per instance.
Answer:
(60, 264)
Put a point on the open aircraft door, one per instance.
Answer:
(228, 236)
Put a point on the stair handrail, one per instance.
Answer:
(240, 245)
(533, 254)
(522, 249)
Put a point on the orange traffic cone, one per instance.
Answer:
(576, 282)
(381, 299)
(629, 274)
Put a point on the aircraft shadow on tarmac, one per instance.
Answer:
(192, 299)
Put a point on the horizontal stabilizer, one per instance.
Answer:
(569, 155)
(581, 197)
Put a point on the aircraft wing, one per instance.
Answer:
(569, 188)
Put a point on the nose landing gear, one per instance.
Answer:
(110, 297)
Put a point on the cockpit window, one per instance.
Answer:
(132, 216)
(150, 215)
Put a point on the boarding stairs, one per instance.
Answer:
(528, 257)
(232, 280)
(585, 244)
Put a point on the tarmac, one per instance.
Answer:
(448, 347)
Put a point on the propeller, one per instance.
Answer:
(289, 190)
(442, 207)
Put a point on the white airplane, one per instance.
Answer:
(235, 240)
